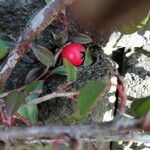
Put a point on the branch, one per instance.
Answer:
(108, 131)
(36, 26)
(51, 96)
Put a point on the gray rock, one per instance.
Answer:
(137, 72)
(119, 40)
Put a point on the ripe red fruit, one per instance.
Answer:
(74, 53)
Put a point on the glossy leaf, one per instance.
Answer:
(83, 39)
(88, 96)
(3, 49)
(59, 70)
(34, 86)
(29, 112)
(140, 106)
(33, 74)
(70, 70)
(87, 59)
(43, 55)
(32, 90)
(13, 102)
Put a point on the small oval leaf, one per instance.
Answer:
(83, 39)
(43, 55)
(3, 49)
(33, 74)
(87, 59)
(88, 96)
(34, 86)
(140, 106)
(29, 112)
(70, 70)
(13, 101)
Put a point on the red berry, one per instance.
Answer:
(74, 53)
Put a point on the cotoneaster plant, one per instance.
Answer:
(74, 53)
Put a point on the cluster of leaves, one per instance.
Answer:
(16, 99)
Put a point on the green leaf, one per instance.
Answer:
(13, 101)
(33, 74)
(32, 89)
(34, 86)
(88, 59)
(83, 39)
(140, 106)
(59, 70)
(70, 70)
(3, 49)
(88, 96)
(75, 117)
(30, 112)
(43, 55)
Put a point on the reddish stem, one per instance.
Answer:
(24, 120)
(121, 88)
(7, 121)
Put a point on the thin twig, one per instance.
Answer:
(51, 96)
(7, 93)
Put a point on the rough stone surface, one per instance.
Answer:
(18, 16)
(137, 72)
(119, 40)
